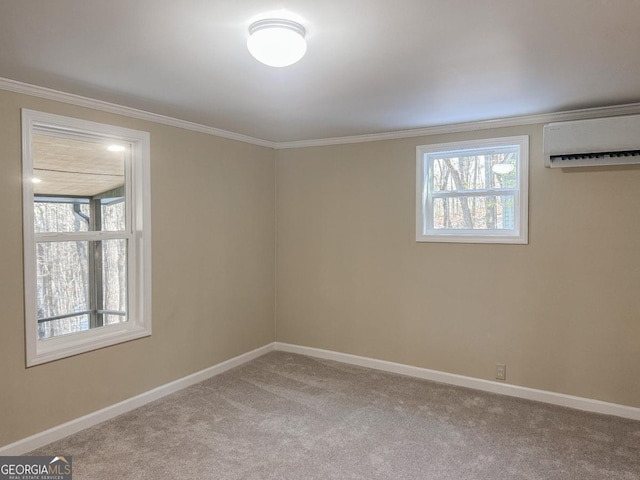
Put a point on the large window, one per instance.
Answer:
(87, 236)
(473, 192)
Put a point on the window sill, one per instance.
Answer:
(461, 238)
(74, 344)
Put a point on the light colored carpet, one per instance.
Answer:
(286, 416)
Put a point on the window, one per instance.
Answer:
(473, 192)
(87, 235)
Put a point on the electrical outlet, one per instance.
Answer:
(501, 371)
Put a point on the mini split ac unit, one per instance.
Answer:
(595, 142)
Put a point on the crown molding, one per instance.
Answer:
(77, 100)
(582, 114)
(72, 99)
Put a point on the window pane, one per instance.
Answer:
(84, 276)
(63, 326)
(114, 283)
(56, 216)
(90, 171)
(475, 170)
(474, 212)
(114, 319)
(63, 278)
(113, 214)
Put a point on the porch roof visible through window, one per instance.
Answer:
(94, 169)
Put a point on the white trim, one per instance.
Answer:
(579, 403)
(582, 114)
(137, 234)
(71, 99)
(61, 431)
(425, 231)
(56, 433)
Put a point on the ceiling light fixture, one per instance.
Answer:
(277, 42)
(503, 168)
(36, 180)
(116, 148)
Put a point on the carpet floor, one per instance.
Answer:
(286, 416)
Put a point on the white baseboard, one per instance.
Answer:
(561, 399)
(56, 433)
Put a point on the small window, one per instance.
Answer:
(87, 235)
(473, 192)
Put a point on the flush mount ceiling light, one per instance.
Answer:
(277, 42)
(503, 168)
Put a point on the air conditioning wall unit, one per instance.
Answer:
(594, 142)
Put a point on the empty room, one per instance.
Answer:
(320, 240)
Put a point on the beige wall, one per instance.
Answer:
(213, 245)
(562, 312)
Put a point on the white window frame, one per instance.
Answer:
(424, 196)
(137, 234)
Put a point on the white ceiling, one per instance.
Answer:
(371, 66)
